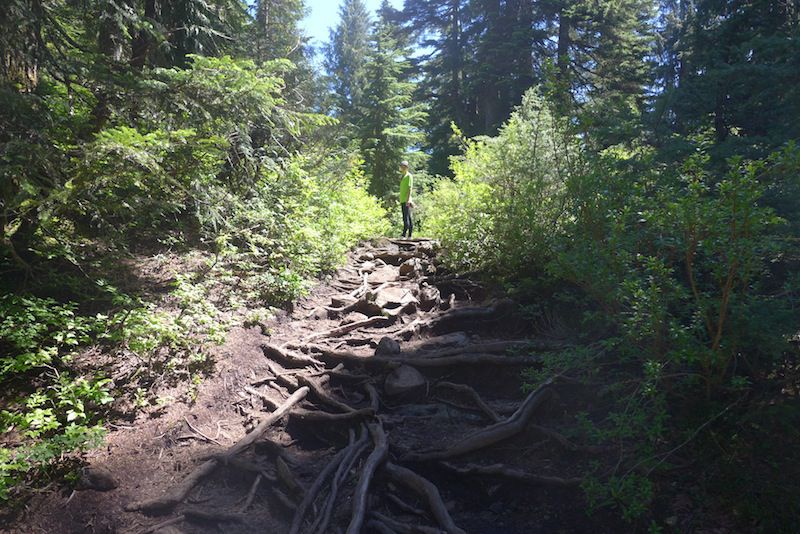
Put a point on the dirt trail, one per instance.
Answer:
(389, 401)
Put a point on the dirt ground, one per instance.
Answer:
(405, 412)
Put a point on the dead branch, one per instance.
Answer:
(495, 433)
(429, 491)
(516, 474)
(375, 459)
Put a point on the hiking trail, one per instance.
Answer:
(388, 401)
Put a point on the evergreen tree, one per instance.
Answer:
(345, 58)
(441, 26)
(389, 121)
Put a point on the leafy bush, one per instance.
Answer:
(57, 412)
(507, 201)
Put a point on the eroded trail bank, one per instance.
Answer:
(389, 401)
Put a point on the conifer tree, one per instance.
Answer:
(389, 121)
(345, 57)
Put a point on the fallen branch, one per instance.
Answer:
(429, 491)
(375, 459)
(495, 433)
(516, 474)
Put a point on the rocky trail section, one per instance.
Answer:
(389, 402)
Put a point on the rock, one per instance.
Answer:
(353, 317)
(319, 314)
(429, 298)
(339, 301)
(97, 478)
(405, 382)
(384, 274)
(394, 297)
(410, 267)
(367, 256)
(368, 266)
(454, 339)
(387, 346)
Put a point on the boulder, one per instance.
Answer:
(429, 298)
(387, 347)
(384, 274)
(353, 317)
(340, 301)
(97, 478)
(405, 383)
(410, 267)
(394, 297)
(368, 266)
(319, 314)
(367, 256)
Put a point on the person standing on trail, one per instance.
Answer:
(406, 186)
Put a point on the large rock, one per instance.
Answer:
(429, 298)
(394, 297)
(405, 383)
(387, 347)
(384, 274)
(97, 478)
(340, 301)
(410, 267)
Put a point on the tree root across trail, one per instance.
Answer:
(380, 410)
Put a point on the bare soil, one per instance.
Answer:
(461, 448)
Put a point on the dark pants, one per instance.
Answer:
(408, 224)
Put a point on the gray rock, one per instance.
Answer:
(405, 382)
(387, 346)
(410, 267)
(97, 478)
(429, 298)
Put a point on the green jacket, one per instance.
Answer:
(406, 184)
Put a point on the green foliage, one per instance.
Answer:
(506, 204)
(57, 414)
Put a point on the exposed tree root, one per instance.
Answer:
(493, 434)
(507, 472)
(392, 361)
(403, 528)
(341, 330)
(375, 459)
(429, 491)
(178, 493)
(476, 398)
(277, 353)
